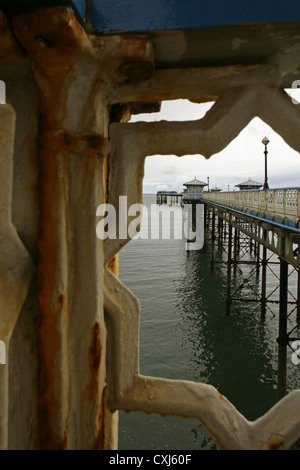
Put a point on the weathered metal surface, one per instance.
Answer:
(242, 94)
(74, 75)
(89, 368)
(60, 44)
(16, 267)
(200, 84)
(129, 390)
(71, 329)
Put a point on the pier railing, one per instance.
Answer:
(283, 203)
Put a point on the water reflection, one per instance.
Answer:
(186, 334)
(234, 353)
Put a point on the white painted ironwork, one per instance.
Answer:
(281, 203)
(130, 144)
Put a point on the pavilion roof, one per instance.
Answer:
(195, 182)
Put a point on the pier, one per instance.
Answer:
(257, 234)
(168, 197)
(74, 72)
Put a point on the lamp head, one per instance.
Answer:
(265, 141)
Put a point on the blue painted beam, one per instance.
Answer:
(290, 225)
(147, 15)
(80, 7)
(150, 15)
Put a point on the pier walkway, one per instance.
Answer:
(270, 220)
(269, 217)
(280, 206)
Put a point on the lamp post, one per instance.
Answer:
(265, 141)
(208, 184)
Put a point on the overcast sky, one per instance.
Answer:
(2, 92)
(243, 158)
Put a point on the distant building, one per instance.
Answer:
(250, 184)
(215, 189)
(194, 189)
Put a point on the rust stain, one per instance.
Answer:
(136, 57)
(106, 171)
(113, 265)
(275, 444)
(136, 70)
(100, 435)
(67, 139)
(53, 40)
(52, 27)
(51, 313)
(95, 348)
(58, 140)
(56, 44)
(62, 301)
(93, 387)
(95, 142)
(221, 396)
(136, 44)
(51, 329)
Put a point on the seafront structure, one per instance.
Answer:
(74, 72)
(165, 197)
(249, 184)
(193, 191)
(270, 219)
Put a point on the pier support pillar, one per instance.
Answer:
(229, 262)
(283, 336)
(235, 248)
(258, 259)
(220, 233)
(264, 279)
(213, 236)
(298, 295)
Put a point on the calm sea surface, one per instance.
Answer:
(185, 334)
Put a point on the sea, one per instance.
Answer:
(186, 334)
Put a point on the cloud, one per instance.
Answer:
(242, 158)
(2, 92)
(171, 170)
